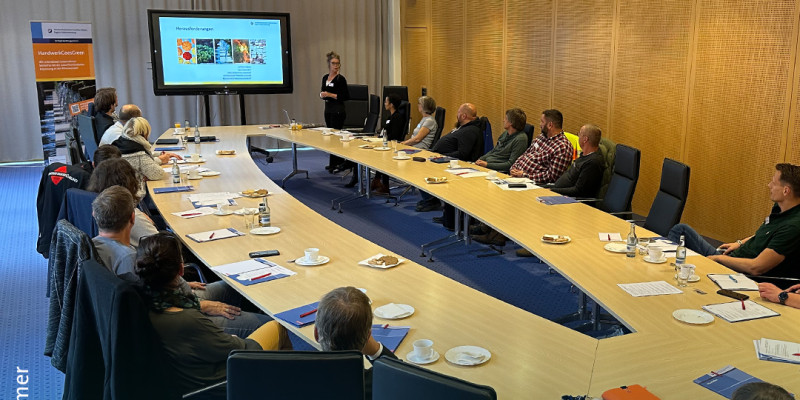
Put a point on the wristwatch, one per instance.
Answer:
(782, 297)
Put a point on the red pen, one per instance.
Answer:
(609, 237)
(262, 276)
(796, 354)
(212, 236)
(385, 326)
(743, 305)
(189, 215)
(305, 314)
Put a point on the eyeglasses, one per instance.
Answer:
(336, 63)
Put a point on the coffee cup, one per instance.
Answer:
(312, 254)
(401, 154)
(655, 253)
(492, 174)
(453, 163)
(423, 349)
(195, 157)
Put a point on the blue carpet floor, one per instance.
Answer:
(23, 281)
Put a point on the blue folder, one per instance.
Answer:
(553, 200)
(173, 189)
(390, 336)
(293, 316)
(725, 381)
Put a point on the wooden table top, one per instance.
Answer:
(529, 354)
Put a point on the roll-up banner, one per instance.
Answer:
(65, 83)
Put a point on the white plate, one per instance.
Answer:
(452, 355)
(240, 212)
(265, 230)
(553, 242)
(209, 173)
(410, 357)
(223, 213)
(366, 146)
(382, 148)
(647, 259)
(320, 260)
(193, 178)
(516, 180)
(378, 312)
(616, 247)
(188, 160)
(694, 317)
(379, 255)
(401, 158)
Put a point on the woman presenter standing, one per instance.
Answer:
(334, 92)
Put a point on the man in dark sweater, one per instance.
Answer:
(105, 103)
(584, 177)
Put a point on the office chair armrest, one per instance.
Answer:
(217, 391)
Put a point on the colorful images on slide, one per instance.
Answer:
(187, 52)
(222, 51)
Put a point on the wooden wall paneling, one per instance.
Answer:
(528, 59)
(447, 56)
(416, 57)
(484, 59)
(792, 146)
(415, 13)
(737, 112)
(583, 45)
(649, 86)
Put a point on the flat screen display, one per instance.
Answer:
(213, 52)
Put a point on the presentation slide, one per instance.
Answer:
(221, 51)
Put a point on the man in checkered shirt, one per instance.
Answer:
(549, 154)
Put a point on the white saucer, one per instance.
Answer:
(516, 180)
(382, 148)
(193, 178)
(347, 140)
(378, 312)
(692, 279)
(223, 213)
(694, 317)
(240, 212)
(616, 247)
(209, 173)
(453, 355)
(320, 260)
(265, 230)
(410, 357)
(401, 158)
(661, 261)
(189, 161)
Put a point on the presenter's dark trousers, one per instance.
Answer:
(335, 121)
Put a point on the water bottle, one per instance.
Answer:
(186, 126)
(385, 138)
(264, 218)
(176, 171)
(196, 134)
(632, 241)
(680, 252)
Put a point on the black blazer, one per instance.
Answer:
(394, 127)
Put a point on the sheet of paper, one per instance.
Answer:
(502, 184)
(214, 235)
(777, 350)
(185, 168)
(733, 282)
(461, 171)
(610, 237)
(254, 271)
(212, 199)
(642, 289)
(669, 247)
(195, 212)
(732, 312)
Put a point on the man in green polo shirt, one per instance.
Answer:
(774, 249)
(511, 144)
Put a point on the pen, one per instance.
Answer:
(262, 276)
(212, 236)
(796, 354)
(189, 215)
(743, 305)
(385, 326)
(732, 278)
(609, 237)
(305, 314)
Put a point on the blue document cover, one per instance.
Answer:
(390, 336)
(173, 189)
(553, 200)
(725, 381)
(293, 316)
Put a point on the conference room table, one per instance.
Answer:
(531, 357)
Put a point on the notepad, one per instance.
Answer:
(732, 312)
(251, 272)
(198, 212)
(218, 234)
(293, 316)
(777, 350)
(173, 189)
(733, 281)
(725, 381)
(554, 200)
(390, 336)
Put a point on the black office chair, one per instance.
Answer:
(529, 130)
(295, 374)
(357, 107)
(86, 130)
(395, 380)
(486, 142)
(75, 147)
(405, 114)
(439, 118)
(624, 178)
(670, 200)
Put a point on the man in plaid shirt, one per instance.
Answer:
(549, 154)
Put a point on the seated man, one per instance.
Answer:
(774, 249)
(105, 103)
(113, 133)
(510, 145)
(585, 176)
(549, 154)
(344, 322)
(789, 297)
(459, 143)
(113, 211)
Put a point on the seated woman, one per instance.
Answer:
(394, 131)
(117, 171)
(422, 137)
(197, 348)
(136, 149)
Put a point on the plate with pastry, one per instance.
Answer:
(254, 192)
(556, 239)
(381, 260)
